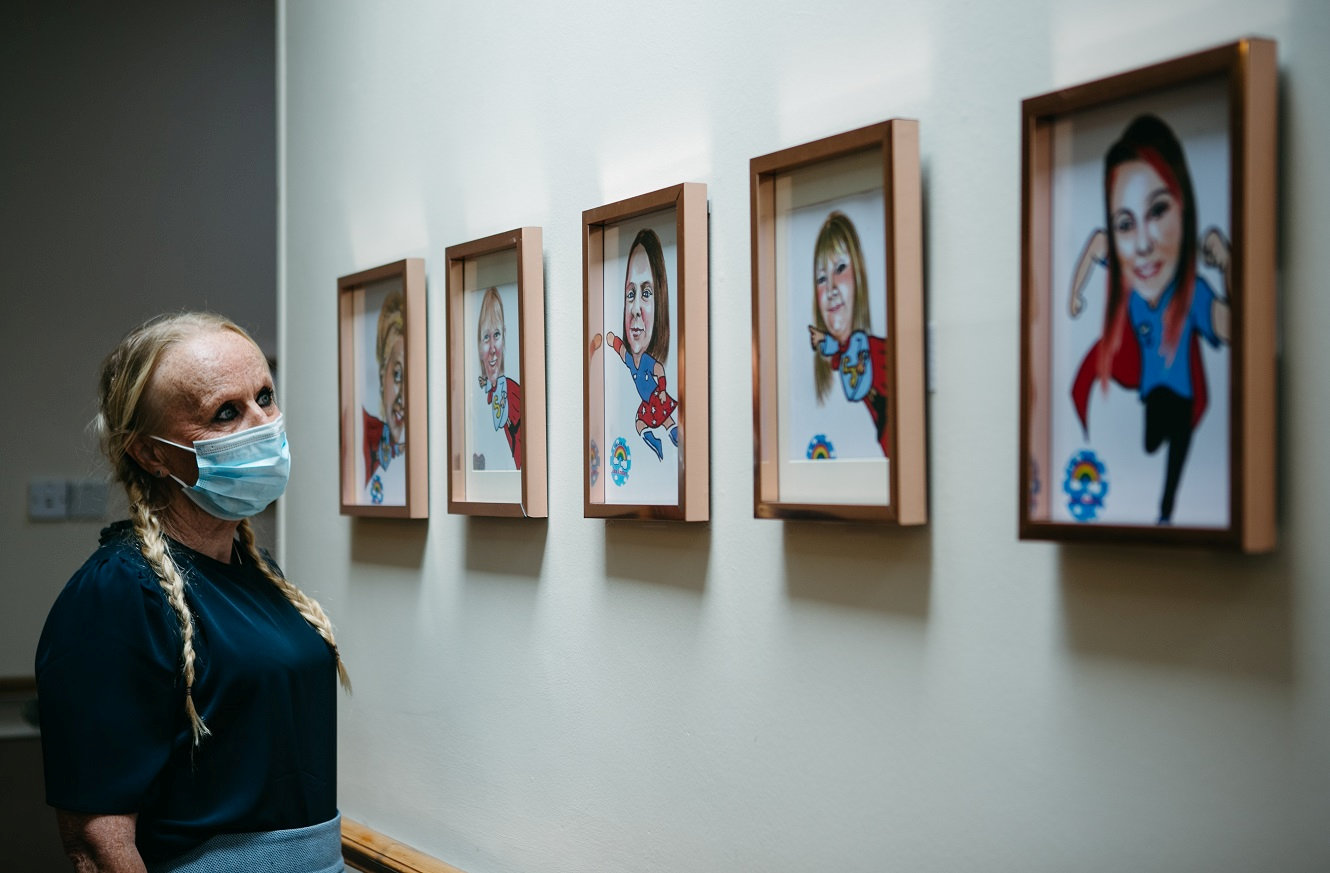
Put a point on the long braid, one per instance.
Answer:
(307, 606)
(153, 546)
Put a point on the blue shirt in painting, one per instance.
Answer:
(115, 737)
(644, 375)
(1163, 370)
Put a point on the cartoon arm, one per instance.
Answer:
(1095, 252)
(659, 373)
(822, 342)
(1215, 251)
(615, 343)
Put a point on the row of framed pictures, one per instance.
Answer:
(1147, 344)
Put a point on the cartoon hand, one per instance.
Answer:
(815, 337)
(484, 382)
(1215, 249)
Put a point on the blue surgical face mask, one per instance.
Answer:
(240, 473)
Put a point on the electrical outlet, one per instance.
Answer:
(48, 499)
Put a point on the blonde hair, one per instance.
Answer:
(836, 237)
(392, 319)
(127, 412)
(491, 312)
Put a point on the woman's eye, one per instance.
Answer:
(646, 292)
(226, 413)
(397, 373)
(266, 397)
(1125, 225)
(1159, 208)
(841, 268)
(497, 335)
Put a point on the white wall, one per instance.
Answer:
(137, 176)
(578, 695)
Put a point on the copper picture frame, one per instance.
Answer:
(839, 417)
(496, 424)
(646, 429)
(382, 389)
(1148, 395)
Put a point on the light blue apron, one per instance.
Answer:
(313, 849)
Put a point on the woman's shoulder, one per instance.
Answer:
(110, 573)
(114, 596)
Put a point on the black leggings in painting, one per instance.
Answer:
(1168, 417)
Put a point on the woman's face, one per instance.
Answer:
(833, 278)
(639, 302)
(491, 349)
(214, 383)
(1147, 228)
(393, 387)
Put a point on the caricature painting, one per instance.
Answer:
(492, 366)
(1141, 322)
(643, 418)
(835, 441)
(380, 328)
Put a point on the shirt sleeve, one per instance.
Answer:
(109, 700)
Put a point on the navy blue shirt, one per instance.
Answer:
(115, 736)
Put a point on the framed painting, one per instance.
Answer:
(646, 426)
(839, 417)
(1148, 304)
(382, 382)
(496, 376)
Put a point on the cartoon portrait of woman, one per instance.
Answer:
(839, 333)
(384, 442)
(503, 396)
(644, 346)
(1156, 308)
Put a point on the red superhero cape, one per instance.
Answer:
(1126, 371)
(373, 434)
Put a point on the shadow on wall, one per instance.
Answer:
(660, 553)
(860, 567)
(1228, 613)
(390, 542)
(506, 546)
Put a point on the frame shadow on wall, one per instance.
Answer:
(872, 567)
(506, 546)
(389, 542)
(1165, 607)
(658, 553)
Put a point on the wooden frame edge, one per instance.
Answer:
(416, 339)
(898, 140)
(1250, 69)
(527, 244)
(369, 851)
(689, 200)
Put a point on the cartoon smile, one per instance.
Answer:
(1147, 270)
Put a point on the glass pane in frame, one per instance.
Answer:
(496, 374)
(647, 428)
(838, 329)
(1140, 309)
(384, 427)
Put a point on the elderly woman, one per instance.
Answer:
(187, 691)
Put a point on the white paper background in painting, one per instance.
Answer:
(500, 480)
(650, 481)
(367, 302)
(804, 199)
(1198, 115)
